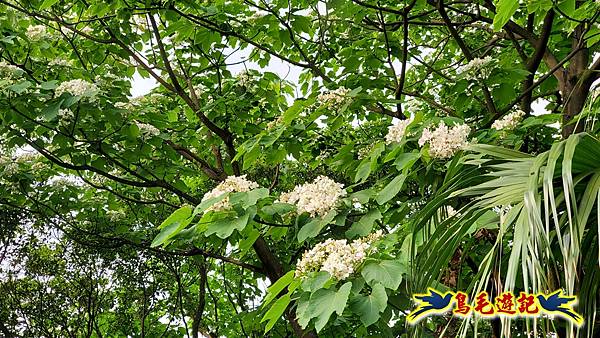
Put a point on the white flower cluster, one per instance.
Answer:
(78, 87)
(28, 157)
(58, 62)
(244, 78)
(256, 16)
(60, 182)
(477, 68)
(334, 98)
(36, 32)
(338, 257)
(115, 215)
(8, 71)
(87, 30)
(396, 131)
(231, 184)
(509, 121)
(65, 116)
(38, 166)
(123, 105)
(274, 123)
(316, 198)
(147, 130)
(10, 169)
(445, 142)
(412, 106)
(450, 211)
(365, 151)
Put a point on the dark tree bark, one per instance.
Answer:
(201, 300)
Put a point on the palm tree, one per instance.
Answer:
(546, 231)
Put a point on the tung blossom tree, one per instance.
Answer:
(407, 145)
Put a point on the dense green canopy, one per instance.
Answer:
(411, 144)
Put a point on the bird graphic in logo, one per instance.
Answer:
(433, 302)
(558, 304)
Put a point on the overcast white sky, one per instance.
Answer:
(141, 86)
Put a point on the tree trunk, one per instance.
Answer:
(575, 86)
(201, 300)
(575, 102)
(274, 271)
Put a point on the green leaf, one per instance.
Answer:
(277, 208)
(277, 287)
(292, 112)
(369, 307)
(49, 85)
(386, 272)
(316, 281)
(173, 225)
(249, 198)
(177, 216)
(246, 243)
(314, 227)
(51, 111)
(47, 4)
(223, 228)
(325, 302)
(20, 87)
(390, 190)
(504, 11)
(363, 171)
(200, 208)
(365, 224)
(276, 311)
(406, 160)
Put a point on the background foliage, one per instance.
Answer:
(102, 223)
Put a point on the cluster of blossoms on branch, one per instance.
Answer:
(8, 71)
(27, 157)
(8, 167)
(334, 98)
(316, 198)
(274, 123)
(509, 121)
(396, 131)
(78, 87)
(365, 151)
(338, 257)
(230, 184)
(477, 68)
(444, 142)
(147, 130)
(244, 78)
(65, 116)
(115, 215)
(36, 32)
(59, 62)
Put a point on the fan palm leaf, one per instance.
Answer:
(544, 215)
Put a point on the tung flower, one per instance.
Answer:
(10, 169)
(9, 71)
(316, 198)
(78, 87)
(338, 257)
(36, 32)
(396, 131)
(115, 215)
(334, 98)
(147, 130)
(59, 62)
(444, 142)
(231, 184)
(477, 68)
(509, 121)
